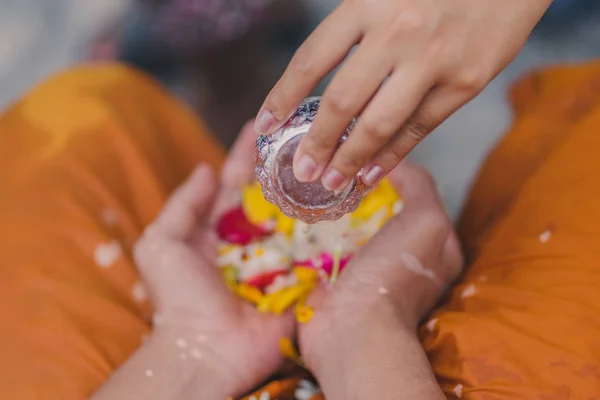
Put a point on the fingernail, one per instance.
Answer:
(305, 169)
(372, 175)
(264, 122)
(333, 179)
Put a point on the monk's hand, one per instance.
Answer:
(416, 62)
(362, 338)
(176, 257)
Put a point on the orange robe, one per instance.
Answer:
(88, 159)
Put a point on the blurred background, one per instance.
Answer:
(224, 72)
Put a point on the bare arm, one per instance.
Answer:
(207, 344)
(169, 365)
(383, 361)
(362, 342)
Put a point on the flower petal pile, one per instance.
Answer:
(274, 262)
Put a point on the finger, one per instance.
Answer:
(324, 49)
(438, 105)
(392, 105)
(237, 172)
(188, 206)
(239, 167)
(347, 94)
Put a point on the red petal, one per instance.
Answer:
(263, 280)
(324, 262)
(234, 227)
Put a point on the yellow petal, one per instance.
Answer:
(288, 350)
(285, 224)
(229, 274)
(386, 186)
(226, 248)
(249, 293)
(259, 211)
(304, 313)
(285, 298)
(256, 208)
(371, 202)
(306, 274)
(387, 191)
(362, 242)
(265, 303)
(383, 195)
(259, 251)
(369, 206)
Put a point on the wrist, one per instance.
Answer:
(190, 361)
(166, 368)
(332, 338)
(378, 356)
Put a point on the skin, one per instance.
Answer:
(237, 346)
(379, 295)
(230, 348)
(416, 63)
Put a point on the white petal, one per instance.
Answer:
(469, 291)
(397, 207)
(232, 257)
(431, 324)
(265, 396)
(306, 384)
(106, 254)
(545, 236)
(303, 394)
(278, 283)
(412, 263)
(458, 390)
(306, 390)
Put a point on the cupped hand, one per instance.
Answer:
(176, 258)
(393, 281)
(416, 63)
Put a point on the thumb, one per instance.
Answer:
(237, 172)
(239, 167)
(188, 206)
(173, 270)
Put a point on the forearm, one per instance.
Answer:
(168, 366)
(380, 360)
(366, 345)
